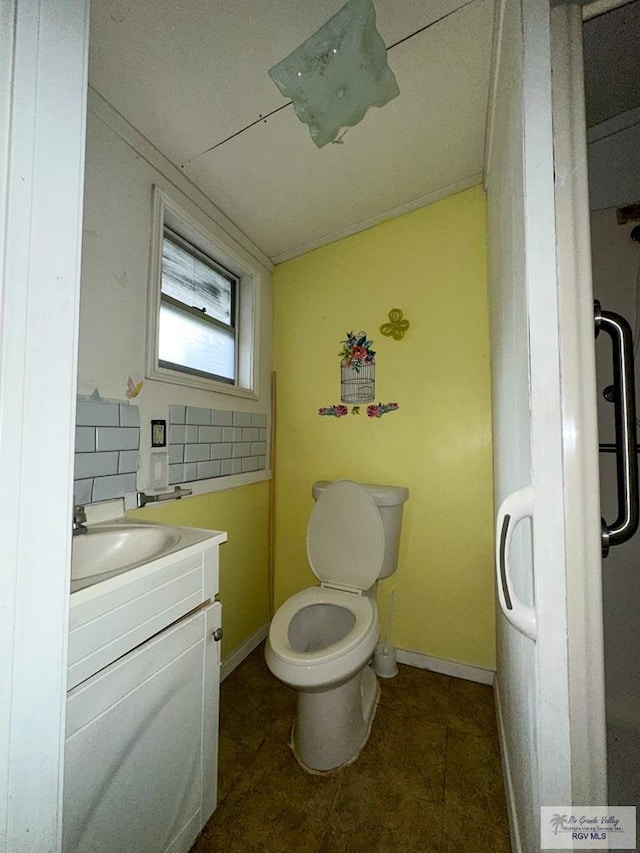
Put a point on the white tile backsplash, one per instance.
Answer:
(221, 418)
(242, 419)
(82, 491)
(129, 415)
(176, 454)
(197, 452)
(221, 451)
(106, 451)
(241, 449)
(117, 438)
(105, 488)
(198, 416)
(177, 434)
(95, 465)
(85, 439)
(177, 414)
(210, 433)
(127, 462)
(89, 413)
(202, 443)
(206, 443)
(209, 469)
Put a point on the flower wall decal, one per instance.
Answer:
(377, 410)
(333, 411)
(357, 351)
(357, 369)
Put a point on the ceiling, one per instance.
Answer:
(612, 63)
(190, 75)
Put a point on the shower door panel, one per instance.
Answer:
(616, 263)
(538, 445)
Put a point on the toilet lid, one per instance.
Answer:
(345, 536)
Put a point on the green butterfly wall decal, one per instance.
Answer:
(397, 325)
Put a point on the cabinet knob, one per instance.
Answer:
(217, 634)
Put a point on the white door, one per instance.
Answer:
(545, 438)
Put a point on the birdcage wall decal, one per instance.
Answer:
(357, 369)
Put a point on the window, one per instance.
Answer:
(197, 312)
(203, 300)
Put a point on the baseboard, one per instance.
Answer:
(516, 844)
(446, 667)
(244, 650)
(478, 674)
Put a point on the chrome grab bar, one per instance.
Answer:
(626, 523)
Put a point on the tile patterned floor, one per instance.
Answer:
(428, 781)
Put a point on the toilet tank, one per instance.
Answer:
(390, 501)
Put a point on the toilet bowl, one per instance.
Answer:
(322, 637)
(321, 640)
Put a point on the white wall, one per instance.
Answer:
(122, 168)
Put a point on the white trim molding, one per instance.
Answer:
(479, 674)
(43, 90)
(167, 211)
(225, 228)
(243, 651)
(383, 216)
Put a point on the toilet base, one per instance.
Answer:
(333, 726)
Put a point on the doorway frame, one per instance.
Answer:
(43, 92)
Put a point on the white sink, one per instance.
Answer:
(116, 547)
(130, 580)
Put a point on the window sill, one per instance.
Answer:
(202, 384)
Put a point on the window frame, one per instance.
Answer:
(168, 234)
(216, 246)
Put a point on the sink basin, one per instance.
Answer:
(116, 547)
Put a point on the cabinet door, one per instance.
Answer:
(137, 734)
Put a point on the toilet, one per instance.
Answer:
(322, 639)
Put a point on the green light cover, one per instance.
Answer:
(338, 73)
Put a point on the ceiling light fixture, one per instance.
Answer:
(338, 73)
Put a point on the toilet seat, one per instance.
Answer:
(361, 606)
(345, 537)
(345, 547)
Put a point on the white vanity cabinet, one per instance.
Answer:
(142, 725)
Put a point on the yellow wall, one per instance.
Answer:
(244, 514)
(432, 265)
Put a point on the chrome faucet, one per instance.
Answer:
(79, 520)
